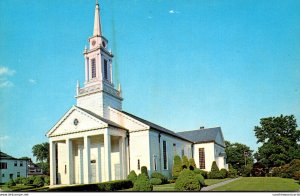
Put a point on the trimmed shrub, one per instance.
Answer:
(177, 167)
(223, 173)
(163, 179)
(214, 172)
(155, 181)
(10, 183)
(187, 181)
(192, 164)
(142, 183)
(19, 180)
(258, 170)
(246, 170)
(297, 175)
(294, 166)
(104, 186)
(47, 180)
(214, 167)
(28, 181)
(202, 172)
(200, 179)
(232, 173)
(38, 181)
(115, 185)
(185, 162)
(132, 176)
(144, 170)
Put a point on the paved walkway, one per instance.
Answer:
(208, 188)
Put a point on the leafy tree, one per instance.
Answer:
(41, 152)
(177, 166)
(236, 154)
(192, 164)
(279, 137)
(185, 162)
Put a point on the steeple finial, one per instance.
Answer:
(97, 25)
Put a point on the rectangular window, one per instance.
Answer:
(3, 175)
(165, 154)
(182, 152)
(65, 169)
(139, 165)
(16, 163)
(18, 174)
(93, 68)
(105, 70)
(21, 163)
(3, 166)
(174, 149)
(201, 158)
(155, 162)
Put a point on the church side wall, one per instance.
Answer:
(139, 150)
(209, 153)
(219, 156)
(156, 151)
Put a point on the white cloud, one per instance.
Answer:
(6, 84)
(6, 71)
(173, 12)
(3, 138)
(32, 81)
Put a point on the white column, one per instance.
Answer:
(99, 179)
(69, 158)
(86, 160)
(81, 172)
(107, 149)
(127, 155)
(121, 157)
(124, 160)
(52, 149)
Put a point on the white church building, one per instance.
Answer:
(97, 141)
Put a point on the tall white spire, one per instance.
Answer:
(97, 22)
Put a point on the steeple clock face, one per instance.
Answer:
(93, 42)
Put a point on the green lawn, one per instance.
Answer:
(164, 187)
(209, 182)
(18, 187)
(261, 184)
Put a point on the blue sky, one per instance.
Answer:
(181, 64)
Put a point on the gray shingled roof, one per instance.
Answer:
(201, 135)
(156, 127)
(4, 156)
(111, 123)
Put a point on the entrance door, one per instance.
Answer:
(117, 172)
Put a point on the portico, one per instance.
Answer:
(82, 156)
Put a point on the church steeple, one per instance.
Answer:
(97, 21)
(98, 92)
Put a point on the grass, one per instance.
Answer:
(209, 182)
(18, 187)
(164, 187)
(261, 184)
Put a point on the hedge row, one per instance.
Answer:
(104, 186)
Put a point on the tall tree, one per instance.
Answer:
(41, 152)
(279, 137)
(238, 154)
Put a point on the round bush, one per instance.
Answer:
(202, 172)
(142, 183)
(223, 173)
(163, 179)
(200, 179)
(38, 181)
(19, 180)
(155, 181)
(187, 181)
(132, 176)
(10, 183)
(27, 181)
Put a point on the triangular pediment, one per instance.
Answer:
(76, 120)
